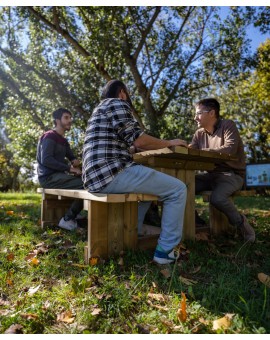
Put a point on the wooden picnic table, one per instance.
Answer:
(182, 163)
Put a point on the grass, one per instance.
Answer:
(45, 288)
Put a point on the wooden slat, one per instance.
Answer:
(131, 225)
(97, 229)
(84, 194)
(115, 228)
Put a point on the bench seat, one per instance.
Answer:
(218, 222)
(112, 219)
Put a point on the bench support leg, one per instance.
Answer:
(112, 228)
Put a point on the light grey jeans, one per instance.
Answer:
(61, 180)
(223, 185)
(172, 192)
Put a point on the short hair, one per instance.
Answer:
(57, 114)
(210, 103)
(112, 90)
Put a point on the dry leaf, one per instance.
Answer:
(30, 256)
(202, 236)
(10, 212)
(79, 265)
(165, 309)
(93, 261)
(166, 273)
(33, 290)
(29, 316)
(182, 311)
(65, 317)
(223, 323)
(188, 282)
(96, 311)
(14, 329)
(157, 297)
(121, 261)
(10, 257)
(34, 261)
(195, 270)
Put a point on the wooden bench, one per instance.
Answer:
(218, 222)
(112, 219)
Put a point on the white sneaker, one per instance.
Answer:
(68, 225)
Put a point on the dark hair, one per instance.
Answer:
(57, 114)
(210, 103)
(112, 90)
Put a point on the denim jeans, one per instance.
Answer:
(171, 191)
(223, 185)
(61, 180)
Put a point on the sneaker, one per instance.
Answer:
(163, 257)
(68, 225)
(80, 216)
(265, 279)
(246, 230)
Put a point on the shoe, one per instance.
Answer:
(80, 216)
(265, 279)
(68, 225)
(247, 230)
(163, 257)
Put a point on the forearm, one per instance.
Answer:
(147, 142)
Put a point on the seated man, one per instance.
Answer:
(221, 135)
(108, 166)
(53, 171)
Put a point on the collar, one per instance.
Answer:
(216, 126)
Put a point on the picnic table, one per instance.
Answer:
(182, 163)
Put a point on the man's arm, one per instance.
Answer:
(147, 142)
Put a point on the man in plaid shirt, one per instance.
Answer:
(108, 166)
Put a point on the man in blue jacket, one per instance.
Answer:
(54, 171)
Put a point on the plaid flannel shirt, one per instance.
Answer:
(110, 133)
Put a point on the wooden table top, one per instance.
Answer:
(181, 157)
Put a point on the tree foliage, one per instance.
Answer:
(57, 56)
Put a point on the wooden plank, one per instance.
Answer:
(130, 225)
(218, 221)
(115, 228)
(189, 220)
(84, 194)
(97, 229)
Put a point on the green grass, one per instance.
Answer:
(60, 295)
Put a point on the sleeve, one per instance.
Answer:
(124, 123)
(195, 142)
(47, 158)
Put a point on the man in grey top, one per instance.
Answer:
(221, 135)
(53, 151)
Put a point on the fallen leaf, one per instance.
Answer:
(166, 273)
(93, 261)
(157, 297)
(34, 261)
(65, 317)
(10, 257)
(223, 323)
(79, 265)
(165, 309)
(195, 270)
(121, 261)
(29, 316)
(14, 329)
(96, 311)
(201, 236)
(188, 282)
(182, 311)
(10, 212)
(33, 290)
(30, 256)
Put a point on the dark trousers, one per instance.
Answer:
(60, 180)
(222, 185)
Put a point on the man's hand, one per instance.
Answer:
(76, 171)
(178, 142)
(76, 162)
